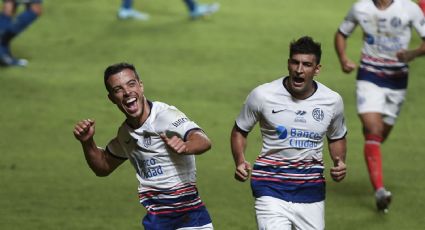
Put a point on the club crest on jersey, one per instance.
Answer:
(395, 22)
(147, 141)
(318, 114)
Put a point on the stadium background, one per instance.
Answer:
(206, 68)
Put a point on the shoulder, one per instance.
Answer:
(327, 93)
(268, 88)
(163, 112)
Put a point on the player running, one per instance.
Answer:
(295, 114)
(383, 73)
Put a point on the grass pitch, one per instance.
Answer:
(206, 68)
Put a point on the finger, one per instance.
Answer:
(163, 137)
(336, 161)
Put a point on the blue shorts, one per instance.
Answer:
(192, 218)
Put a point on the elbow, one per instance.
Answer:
(101, 172)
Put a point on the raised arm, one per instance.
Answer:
(197, 143)
(337, 150)
(99, 160)
(238, 140)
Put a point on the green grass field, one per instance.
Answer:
(206, 68)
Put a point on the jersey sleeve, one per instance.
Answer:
(114, 147)
(418, 20)
(337, 128)
(349, 24)
(173, 122)
(250, 112)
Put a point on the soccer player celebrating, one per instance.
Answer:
(295, 114)
(196, 10)
(160, 142)
(11, 26)
(383, 73)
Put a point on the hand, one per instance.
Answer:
(348, 66)
(339, 170)
(404, 56)
(84, 130)
(175, 143)
(242, 171)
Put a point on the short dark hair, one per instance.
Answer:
(306, 45)
(116, 68)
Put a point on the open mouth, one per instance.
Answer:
(131, 104)
(298, 80)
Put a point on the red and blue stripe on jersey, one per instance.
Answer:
(181, 198)
(299, 181)
(383, 72)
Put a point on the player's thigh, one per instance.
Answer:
(309, 216)
(272, 213)
(370, 97)
(204, 227)
(393, 103)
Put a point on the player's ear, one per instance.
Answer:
(317, 69)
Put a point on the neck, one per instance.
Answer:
(382, 4)
(138, 122)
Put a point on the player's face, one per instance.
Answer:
(126, 91)
(302, 69)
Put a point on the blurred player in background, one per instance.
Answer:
(196, 10)
(160, 142)
(383, 73)
(11, 25)
(295, 114)
(421, 4)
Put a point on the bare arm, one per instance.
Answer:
(197, 143)
(101, 162)
(337, 150)
(340, 43)
(238, 145)
(408, 55)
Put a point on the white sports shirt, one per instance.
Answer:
(385, 33)
(164, 176)
(290, 165)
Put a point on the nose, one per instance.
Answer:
(126, 90)
(300, 68)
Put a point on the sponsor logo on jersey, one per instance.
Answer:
(281, 132)
(299, 118)
(369, 39)
(300, 112)
(180, 121)
(277, 111)
(150, 168)
(318, 114)
(299, 138)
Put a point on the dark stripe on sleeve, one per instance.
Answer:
(333, 140)
(115, 156)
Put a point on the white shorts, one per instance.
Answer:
(276, 214)
(204, 227)
(374, 99)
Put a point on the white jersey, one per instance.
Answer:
(290, 165)
(385, 33)
(164, 176)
